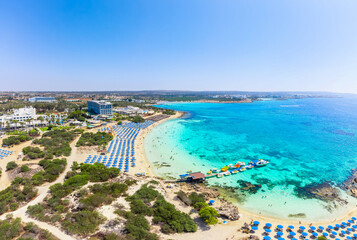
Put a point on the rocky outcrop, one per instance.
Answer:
(350, 185)
(227, 210)
(249, 187)
(323, 191)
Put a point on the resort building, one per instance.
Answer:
(100, 107)
(21, 114)
(130, 110)
(42, 99)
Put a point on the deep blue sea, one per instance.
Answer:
(307, 141)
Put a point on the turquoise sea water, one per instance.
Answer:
(307, 141)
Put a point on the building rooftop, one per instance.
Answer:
(197, 175)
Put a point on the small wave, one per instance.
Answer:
(292, 106)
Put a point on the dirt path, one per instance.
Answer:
(42, 193)
(4, 179)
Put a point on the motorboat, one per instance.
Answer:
(261, 163)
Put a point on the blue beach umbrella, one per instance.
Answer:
(302, 228)
(355, 235)
(330, 227)
(312, 228)
(293, 239)
(354, 226)
(349, 229)
(354, 219)
(343, 232)
(281, 238)
(350, 221)
(337, 225)
(267, 230)
(254, 228)
(268, 225)
(315, 234)
(256, 223)
(304, 234)
(292, 233)
(279, 233)
(325, 234)
(321, 228)
(334, 233)
(348, 237)
(344, 223)
(291, 227)
(266, 238)
(280, 226)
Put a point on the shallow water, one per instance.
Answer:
(307, 141)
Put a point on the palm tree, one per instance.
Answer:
(41, 119)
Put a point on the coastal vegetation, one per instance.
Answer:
(15, 229)
(20, 138)
(33, 152)
(57, 142)
(52, 169)
(149, 202)
(94, 139)
(168, 112)
(137, 119)
(11, 165)
(85, 219)
(208, 214)
(20, 192)
(78, 115)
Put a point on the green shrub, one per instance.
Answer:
(184, 198)
(15, 140)
(82, 222)
(25, 168)
(177, 221)
(53, 168)
(10, 229)
(208, 215)
(145, 193)
(33, 152)
(195, 198)
(94, 139)
(11, 165)
(139, 207)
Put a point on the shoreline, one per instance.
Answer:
(143, 164)
(247, 216)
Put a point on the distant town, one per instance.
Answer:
(24, 110)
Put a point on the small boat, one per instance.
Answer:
(261, 163)
(228, 173)
(250, 166)
(224, 169)
(243, 169)
(214, 170)
(189, 171)
(219, 175)
(235, 171)
(230, 166)
(240, 163)
(209, 172)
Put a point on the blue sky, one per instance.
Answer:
(275, 45)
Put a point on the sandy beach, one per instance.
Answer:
(230, 230)
(143, 165)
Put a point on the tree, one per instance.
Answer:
(209, 214)
(11, 165)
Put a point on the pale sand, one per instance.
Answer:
(142, 163)
(220, 231)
